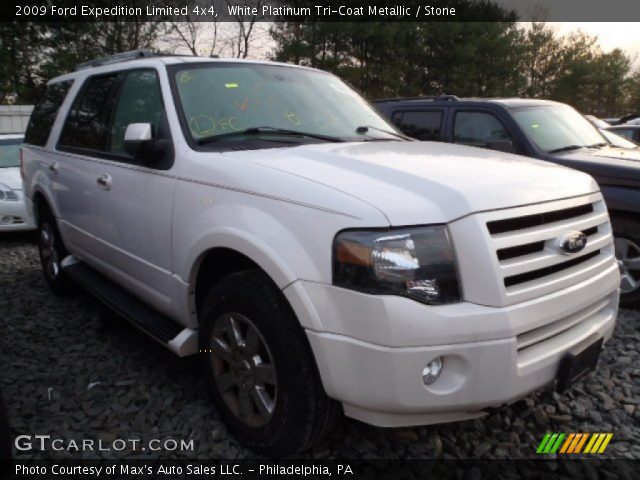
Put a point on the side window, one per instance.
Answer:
(45, 112)
(140, 102)
(424, 125)
(87, 125)
(479, 129)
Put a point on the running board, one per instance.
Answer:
(180, 340)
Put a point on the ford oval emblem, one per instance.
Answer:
(572, 242)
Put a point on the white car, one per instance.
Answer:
(13, 212)
(266, 218)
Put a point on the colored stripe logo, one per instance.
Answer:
(562, 443)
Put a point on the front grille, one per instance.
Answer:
(527, 246)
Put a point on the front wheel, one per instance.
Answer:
(260, 369)
(626, 233)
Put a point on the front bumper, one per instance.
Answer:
(371, 350)
(14, 215)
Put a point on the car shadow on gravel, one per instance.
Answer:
(72, 369)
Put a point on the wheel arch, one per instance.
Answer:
(41, 201)
(226, 253)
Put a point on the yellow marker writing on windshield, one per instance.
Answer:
(185, 77)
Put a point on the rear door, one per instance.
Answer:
(422, 123)
(82, 140)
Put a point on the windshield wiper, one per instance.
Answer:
(365, 128)
(270, 131)
(599, 145)
(567, 148)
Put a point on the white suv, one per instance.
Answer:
(265, 217)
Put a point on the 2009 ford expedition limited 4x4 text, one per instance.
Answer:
(266, 218)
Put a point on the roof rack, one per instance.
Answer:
(443, 97)
(118, 57)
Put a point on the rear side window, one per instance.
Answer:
(140, 102)
(425, 125)
(44, 113)
(87, 124)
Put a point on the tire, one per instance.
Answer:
(263, 380)
(626, 234)
(52, 252)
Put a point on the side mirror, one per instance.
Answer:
(138, 139)
(502, 146)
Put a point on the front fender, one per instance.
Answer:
(621, 199)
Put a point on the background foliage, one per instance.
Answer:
(384, 59)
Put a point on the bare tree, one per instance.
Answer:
(240, 47)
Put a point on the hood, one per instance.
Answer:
(425, 182)
(603, 163)
(10, 176)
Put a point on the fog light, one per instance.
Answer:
(432, 371)
(7, 219)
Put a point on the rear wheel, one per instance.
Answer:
(260, 369)
(52, 252)
(626, 234)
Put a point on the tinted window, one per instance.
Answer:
(625, 133)
(140, 102)
(10, 152)
(87, 125)
(479, 129)
(44, 113)
(425, 125)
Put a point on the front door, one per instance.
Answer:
(135, 197)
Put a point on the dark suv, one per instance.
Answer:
(545, 130)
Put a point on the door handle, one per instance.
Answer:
(104, 181)
(53, 167)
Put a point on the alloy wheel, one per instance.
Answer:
(628, 255)
(244, 370)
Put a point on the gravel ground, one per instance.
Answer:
(72, 369)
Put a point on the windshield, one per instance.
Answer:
(557, 127)
(219, 99)
(10, 152)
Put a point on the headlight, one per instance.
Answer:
(418, 263)
(7, 193)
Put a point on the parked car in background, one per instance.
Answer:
(546, 130)
(13, 212)
(597, 122)
(628, 131)
(617, 140)
(266, 218)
